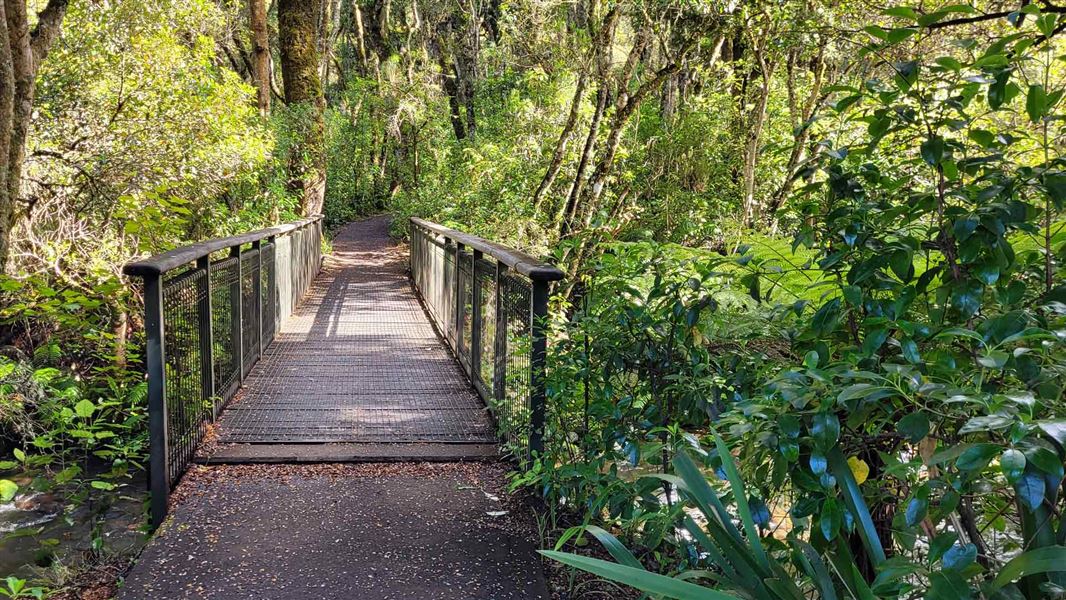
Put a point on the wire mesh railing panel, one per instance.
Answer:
(269, 285)
(465, 300)
(512, 406)
(225, 275)
(183, 294)
(250, 298)
(492, 310)
(486, 305)
(205, 329)
(448, 293)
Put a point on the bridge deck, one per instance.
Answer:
(357, 362)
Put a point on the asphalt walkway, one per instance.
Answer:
(341, 532)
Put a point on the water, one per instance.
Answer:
(36, 532)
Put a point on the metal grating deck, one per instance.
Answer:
(358, 361)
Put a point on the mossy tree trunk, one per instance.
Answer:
(21, 52)
(257, 17)
(298, 27)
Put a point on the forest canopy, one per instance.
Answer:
(810, 339)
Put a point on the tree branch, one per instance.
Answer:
(49, 22)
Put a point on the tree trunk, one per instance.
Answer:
(257, 16)
(560, 146)
(602, 42)
(298, 25)
(756, 121)
(801, 124)
(21, 54)
(565, 216)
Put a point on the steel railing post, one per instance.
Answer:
(538, 355)
(236, 304)
(155, 356)
(204, 319)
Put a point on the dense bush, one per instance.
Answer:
(141, 140)
(915, 440)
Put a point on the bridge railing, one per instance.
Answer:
(490, 302)
(210, 309)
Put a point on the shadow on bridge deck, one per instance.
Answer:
(357, 372)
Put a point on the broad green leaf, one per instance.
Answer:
(933, 150)
(960, 556)
(997, 92)
(640, 579)
(996, 359)
(916, 510)
(1046, 461)
(949, 63)
(977, 457)
(1031, 488)
(913, 426)
(985, 139)
(8, 489)
(1038, 560)
(986, 423)
(1012, 463)
(910, 351)
(830, 519)
(902, 263)
(895, 36)
(1036, 102)
(853, 295)
(818, 463)
(948, 586)
(903, 12)
(966, 297)
(1055, 429)
(825, 429)
(874, 340)
(84, 409)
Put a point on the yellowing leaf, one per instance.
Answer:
(859, 469)
(8, 489)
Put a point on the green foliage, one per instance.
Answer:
(16, 588)
(141, 140)
(67, 429)
(918, 406)
(940, 371)
(666, 340)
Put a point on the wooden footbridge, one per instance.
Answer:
(260, 351)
